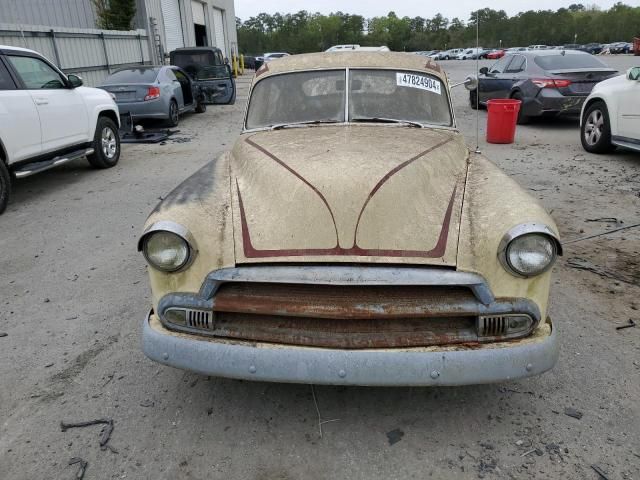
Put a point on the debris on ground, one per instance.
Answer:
(605, 220)
(584, 264)
(3, 334)
(628, 325)
(394, 436)
(106, 431)
(572, 412)
(147, 403)
(609, 232)
(82, 469)
(599, 471)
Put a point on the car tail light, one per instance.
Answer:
(551, 82)
(152, 93)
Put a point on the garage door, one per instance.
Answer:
(198, 12)
(218, 30)
(172, 24)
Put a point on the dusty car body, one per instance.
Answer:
(346, 246)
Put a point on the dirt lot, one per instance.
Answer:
(73, 294)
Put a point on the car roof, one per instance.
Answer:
(352, 59)
(549, 52)
(195, 49)
(16, 49)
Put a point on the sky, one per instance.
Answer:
(410, 8)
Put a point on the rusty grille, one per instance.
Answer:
(345, 317)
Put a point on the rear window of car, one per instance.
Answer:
(569, 61)
(133, 75)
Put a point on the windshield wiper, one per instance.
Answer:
(387, 120)
(295, 124)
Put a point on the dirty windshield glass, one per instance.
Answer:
(133, 75)
(399, 95)
(200, 65)
(298, 98)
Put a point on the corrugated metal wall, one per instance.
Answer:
(55, 13)
(88, 52)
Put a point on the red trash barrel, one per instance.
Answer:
(501, 120)
(636, 46)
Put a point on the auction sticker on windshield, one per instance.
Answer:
(418, 81)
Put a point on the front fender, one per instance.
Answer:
(493, 205)
(201, 204)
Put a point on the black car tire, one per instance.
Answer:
(5, 186)
(446, 57)
(106, 144)
(601, 144)
(201, 107)
(174, 114)
(473, 99)
(522, 118)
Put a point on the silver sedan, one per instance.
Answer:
(154, 92)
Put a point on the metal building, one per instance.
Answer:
(170, 23)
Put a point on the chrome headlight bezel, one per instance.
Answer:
(179, 231)
(522, 230)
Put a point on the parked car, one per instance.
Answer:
(209, 71)
(472, 53)
(537, 47)
(154, 92)
(548, 82)
(495, 54)
(274, 56)
(388, 254)
(611, 114)
(48, 119)
(448, 54)
(571, 46)
(592, 48)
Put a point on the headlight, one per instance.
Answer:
(528, 250)
(166, 247)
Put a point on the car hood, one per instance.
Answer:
(361, 193)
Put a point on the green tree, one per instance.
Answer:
(115, 14)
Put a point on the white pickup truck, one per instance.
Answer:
(48, 118)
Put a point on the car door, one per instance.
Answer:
(225, 86)
(514, 72)
(492, 84)
(62, 111)
(19, 120)
(629, 107)
(169, 81)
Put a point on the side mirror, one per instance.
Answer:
(484, 70)
(634, 74)
(74, 80)
(471, 83)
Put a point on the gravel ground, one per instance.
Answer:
(73, 293)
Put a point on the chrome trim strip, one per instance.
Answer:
(518, 231)
(503, 361)
(55, 162)
(348, 275)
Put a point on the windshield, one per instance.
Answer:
(568, 61)
(374, 95)
(133, 75)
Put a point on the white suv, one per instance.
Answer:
(47, 118)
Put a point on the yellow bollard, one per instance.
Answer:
(235, 65)
(242, 64)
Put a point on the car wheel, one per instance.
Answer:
(174, 114)
(5, 186)
(595, 132)
(473, 99)
(446, 57)
(522, 118)
(201, 107)
(106, 144)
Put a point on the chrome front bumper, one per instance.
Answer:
(452, 365)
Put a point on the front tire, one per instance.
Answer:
(5, 186)
(106, 144)
(473, 99)
(595, 132)
(174, 114)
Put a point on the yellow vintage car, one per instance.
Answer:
(350, 237)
